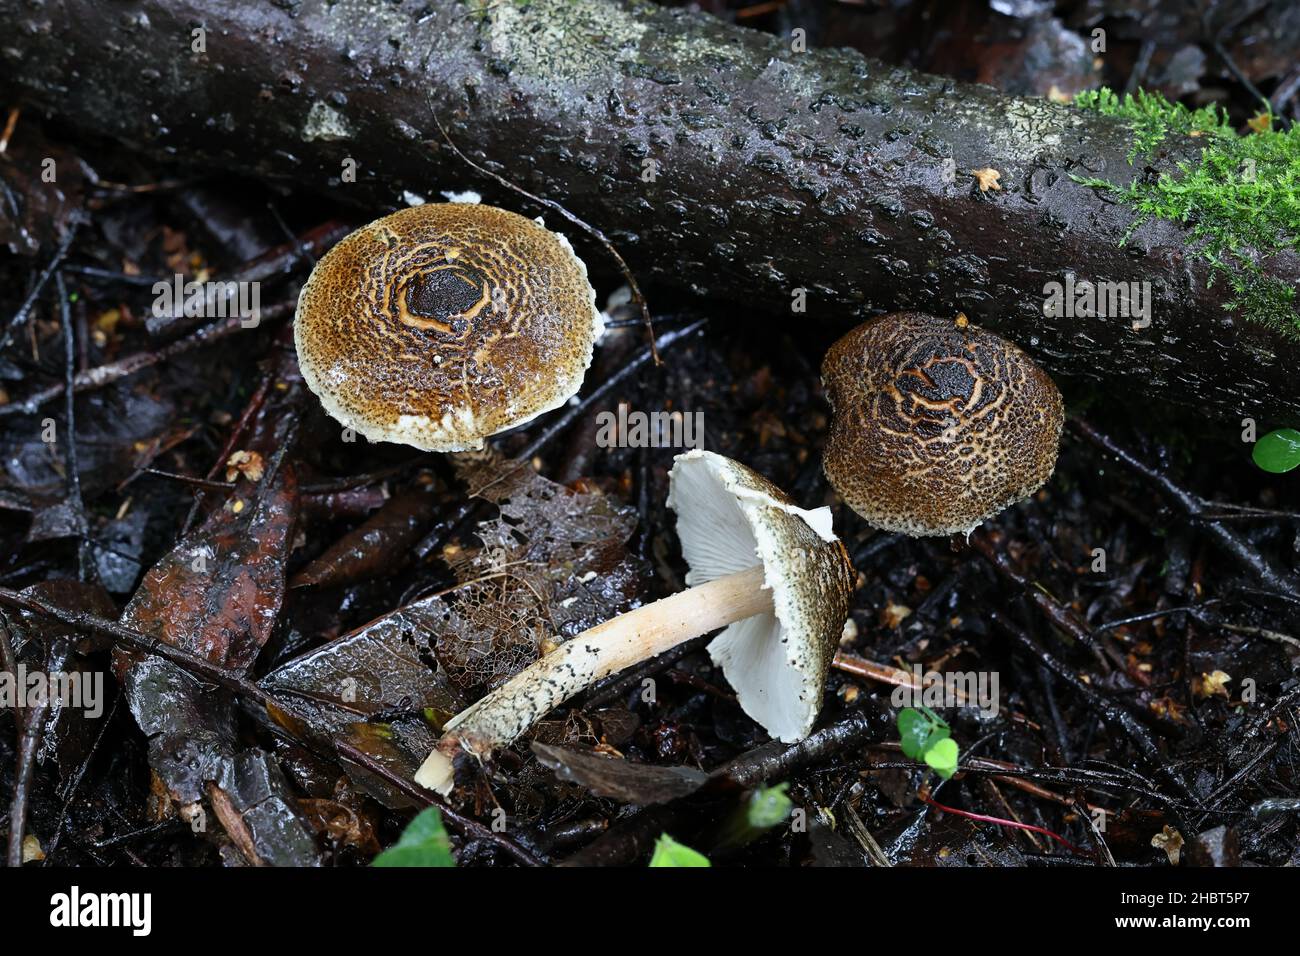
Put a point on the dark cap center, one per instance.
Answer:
(445, 295)
(950, 378)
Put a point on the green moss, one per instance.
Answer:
(1240, 202)
(1153, 117)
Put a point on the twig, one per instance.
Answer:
(1137, 76)
(574, 412)
(1193, 507)
(1004, 772)
(858, 830)
(586, 227)
(1056, 612)
(1285, 92)
(153, 829)
(56, 260)
(1030, 835)
(423, 798)
(74, 784)
(162, 185)
(103, 375)
(251, 409)
(1111, 711)
(82, 621)
(1153, 616)
(773, 761)
(760, 9)
(60, 651)
(1245, 773)
(203, 483)
(111, 275)
(85, 566)
(8, 133)
(8, 662)
(1243, 79)
(885, 673)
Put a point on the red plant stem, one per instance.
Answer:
(925, 798)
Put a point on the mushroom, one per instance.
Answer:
(938, 425)
(445, 323)
(774, 575)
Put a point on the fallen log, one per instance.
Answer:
(718, 159)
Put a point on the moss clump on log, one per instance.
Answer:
(1240, 202)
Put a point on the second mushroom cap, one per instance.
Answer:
(938, 425)
(442, 324)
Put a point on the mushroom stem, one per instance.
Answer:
(501, 716)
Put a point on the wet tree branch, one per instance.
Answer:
(716, 158)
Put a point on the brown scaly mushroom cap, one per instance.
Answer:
(938, 426)
(442, 324)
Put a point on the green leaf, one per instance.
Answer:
(668, 852)
(423, 843)
(1278, 451)
(933, 717)
(942, 757)
(920, 730)
(768, 806)
(914, 730)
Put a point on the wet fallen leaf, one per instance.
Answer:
(381, 545)
(1213, 684)
(340, 824)
(249, 464)
(32, 851)
(217, 595)
(387, 665)
(1171, 841)
(619, 779)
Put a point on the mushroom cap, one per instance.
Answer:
(730, 518)
(937, 427)
(442, 324)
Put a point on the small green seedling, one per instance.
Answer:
(768, 806)
(424, 842)
(924, 735)
(668, 852)
(1278, 451)
(760, 811)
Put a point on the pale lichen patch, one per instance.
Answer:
(548, 39)
(325, 123)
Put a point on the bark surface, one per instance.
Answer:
(715, 157)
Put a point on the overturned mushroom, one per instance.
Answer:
(774, 575)
(442, 324)
(939, 425)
